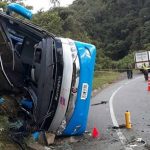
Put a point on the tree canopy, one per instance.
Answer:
(116, 27)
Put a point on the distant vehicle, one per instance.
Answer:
(142, 57)
(55, 72)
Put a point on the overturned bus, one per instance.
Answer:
(54, 73)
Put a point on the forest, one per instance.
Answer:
(117, 28)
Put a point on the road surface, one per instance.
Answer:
(108, 110)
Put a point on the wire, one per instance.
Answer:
(5, 73)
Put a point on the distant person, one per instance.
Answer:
(129, 71)
(145, 71)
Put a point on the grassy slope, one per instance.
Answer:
(102, 78)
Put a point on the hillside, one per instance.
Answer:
(116, 27)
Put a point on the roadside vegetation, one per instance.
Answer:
(102, 78)
(116, 28)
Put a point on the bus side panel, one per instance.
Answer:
(78, 121)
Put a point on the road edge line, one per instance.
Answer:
(121, 136)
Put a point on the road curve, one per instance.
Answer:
(107, 110)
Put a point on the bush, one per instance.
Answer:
(107, 63)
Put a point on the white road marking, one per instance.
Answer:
(113, 117)
(122, 138)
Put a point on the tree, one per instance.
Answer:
(48, 20)
(3, 4)
(55, 3)
(116, 27)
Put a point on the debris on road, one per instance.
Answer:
(137, 142)
(1, 100)
(147, 146)
(46, 138)
(72, 139)
(122, 126)
(102, 102)
(37, 146)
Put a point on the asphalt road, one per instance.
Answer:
(108, 110)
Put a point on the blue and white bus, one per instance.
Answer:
(55, 73)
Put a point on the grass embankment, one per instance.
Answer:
(102, 78)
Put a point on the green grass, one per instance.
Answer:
(105, 77)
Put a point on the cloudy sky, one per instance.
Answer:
(45, 4)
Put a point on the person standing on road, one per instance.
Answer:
(129, 71)
(145, 71)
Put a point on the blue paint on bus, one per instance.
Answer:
(20, 10)
(78, 121)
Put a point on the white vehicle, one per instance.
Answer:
(142, 57)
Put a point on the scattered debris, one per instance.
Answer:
(37, 146)
(1, 101)
(1, 129)
(47, 148)
(26, 103)
(114, 140)
(72, 139)
(9, 106)
(64, 146)
(86, 132)
(115, 127)
(147, 146)
(102, 102)
(36, 135)
(90, 134)
(46, 138)
(138, 142)
(122, 126)
(16, 125)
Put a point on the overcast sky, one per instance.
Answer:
(45, 4)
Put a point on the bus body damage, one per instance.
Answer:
(48, 72)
